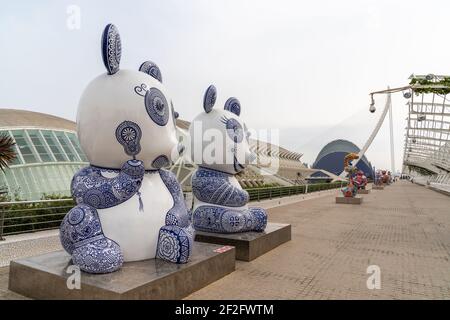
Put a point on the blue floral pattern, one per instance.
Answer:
(111, 48)
(233, 105)
(225, 214)
(209, 98)
(229, 220)
(156, 106)
(129, 135)
(90, 187)
(174, 244)
(176, 237)
(151, 69)
(100, 256)
(234, 129)
(179, 214)
(160, 162)
(213, 187)
(82, 236)
(141, 89)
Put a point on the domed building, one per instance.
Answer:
(331, 158)
(48, 154)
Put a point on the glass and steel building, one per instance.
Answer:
(48, 154)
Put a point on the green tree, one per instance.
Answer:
(7, 156)
(7, 153)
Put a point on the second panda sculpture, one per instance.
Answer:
(129, 207)
(220, 203)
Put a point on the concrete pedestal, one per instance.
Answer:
(46, 277)
(363, 191)
(378, 188)
(348, 200)
(250, 245)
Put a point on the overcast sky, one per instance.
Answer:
(304, 67)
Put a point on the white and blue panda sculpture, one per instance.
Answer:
(128, 207)
(220, 203)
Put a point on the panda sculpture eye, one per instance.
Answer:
(156, 106)
(234, 129)
(128, 134)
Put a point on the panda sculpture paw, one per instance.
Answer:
(82, 237)
(225, 220)
(259, 218)
(100, 256)
(175, 244)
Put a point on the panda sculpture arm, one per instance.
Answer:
(213, 187)
(178, 215)
(90, 187)
(176, 238)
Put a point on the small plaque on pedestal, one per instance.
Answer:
(349, 200)
(363, 191)
(250, 245)
(378, 188)
(47, 276)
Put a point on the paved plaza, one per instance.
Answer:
(403, 229)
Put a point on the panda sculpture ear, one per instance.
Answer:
(233, 105)
(209, 99)
(111, 48)
(152, 69)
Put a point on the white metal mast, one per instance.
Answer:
(391, 129)
(373, 135)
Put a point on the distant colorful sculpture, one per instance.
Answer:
(378, 181)
(351, 189)
(220, 203)
(385, 177)
(129, 207)
(382, 177)
(360, 180)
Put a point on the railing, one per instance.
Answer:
(29, 216)
(257, 194)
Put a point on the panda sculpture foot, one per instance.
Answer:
(260, 218)
(82, 237)
(226, 220)
(100, 256)
(175, 244)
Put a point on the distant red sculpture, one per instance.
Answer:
(350, 190)
(360, 180)
(385, 177)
